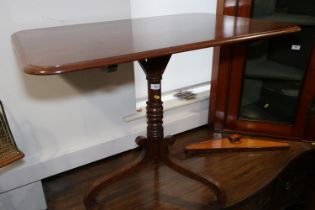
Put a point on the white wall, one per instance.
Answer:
(54, 115)
(193, 67)
(29, 197)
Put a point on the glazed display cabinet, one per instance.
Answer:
(267, 87)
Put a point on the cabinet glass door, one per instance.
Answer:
(275, 68)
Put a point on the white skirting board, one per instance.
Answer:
(28, 197)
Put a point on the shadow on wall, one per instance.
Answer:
(88, 100)
(55, 87)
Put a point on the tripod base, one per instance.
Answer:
(155, 145)
(91, 203)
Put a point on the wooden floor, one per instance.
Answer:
(159, 187)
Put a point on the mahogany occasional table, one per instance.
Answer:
(151, 42)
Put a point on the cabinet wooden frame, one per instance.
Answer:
(227, 83)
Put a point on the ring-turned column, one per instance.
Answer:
(154, 69)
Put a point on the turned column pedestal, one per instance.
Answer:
(155, 145)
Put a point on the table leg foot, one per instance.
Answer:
(211, 183)
(90, 197)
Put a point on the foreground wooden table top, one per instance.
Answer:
(241, 174)
(151, 41)
(57, 50)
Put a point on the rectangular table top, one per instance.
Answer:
(57, 50)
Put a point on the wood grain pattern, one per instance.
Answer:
(244, 144)
(63, 49)
(160, 188)
(221, 72)
(308, 100)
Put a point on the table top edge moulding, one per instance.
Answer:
(62, 49)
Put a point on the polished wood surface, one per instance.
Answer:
(62, 49)
(244, 143)
(241, 175)
(220, 70)
(309, 95)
